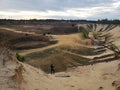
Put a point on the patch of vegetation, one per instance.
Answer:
(56, 56)
(20, 41)
(82, 50)
(62, 29)
(114, 48)
(86, 51)
(79, 59)
(84, 32)
(20, 58)
(107, 37)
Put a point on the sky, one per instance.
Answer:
(60, 9)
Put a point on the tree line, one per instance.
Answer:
(49, 21)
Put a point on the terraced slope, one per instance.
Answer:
(72, 50)
(98, 27)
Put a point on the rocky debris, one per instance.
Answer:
(62, 75)
(116, 84)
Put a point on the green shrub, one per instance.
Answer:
(20, 58)
(85, 33)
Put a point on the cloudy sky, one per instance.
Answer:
(60, 9)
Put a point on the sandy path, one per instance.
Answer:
(14, 30)
(26, 52)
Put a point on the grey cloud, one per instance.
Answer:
(43, 5)
(62, 6)
(108, 15)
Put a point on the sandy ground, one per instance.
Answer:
(90, 77)
(81, 78)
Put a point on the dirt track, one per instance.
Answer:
(62, 40)
(13, 30)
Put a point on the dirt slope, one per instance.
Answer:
(18, 76)
(82, 78)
